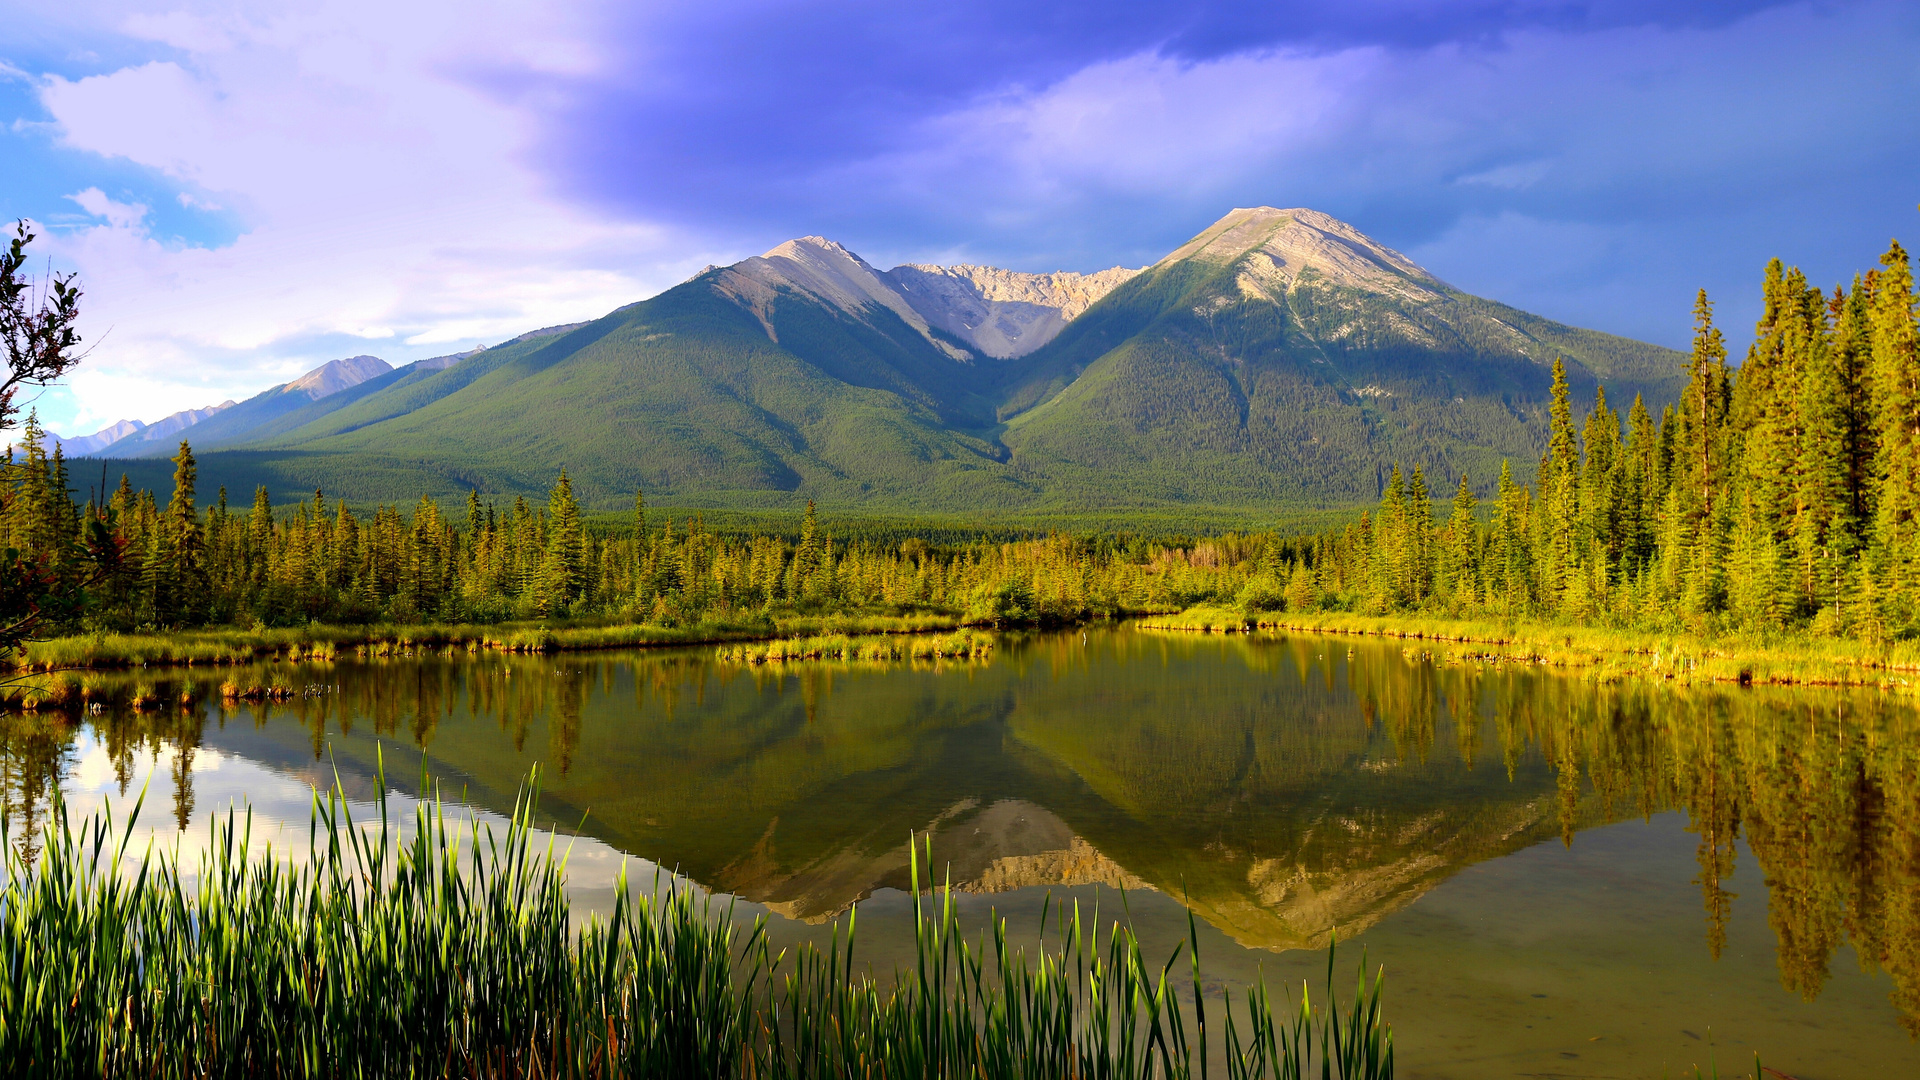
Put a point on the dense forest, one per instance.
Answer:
(1781, 493)
(179, 565)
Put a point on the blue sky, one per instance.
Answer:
(249, 190)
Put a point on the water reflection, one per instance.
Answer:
(1284, 788)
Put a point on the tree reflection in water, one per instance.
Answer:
(1286, 787)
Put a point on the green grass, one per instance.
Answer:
(448, 951)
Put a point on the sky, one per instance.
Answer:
(250, 190)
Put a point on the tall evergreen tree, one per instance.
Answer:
(1700, 469)
(1896, 389)
(1559, 481)
(1418, 539)
(1603, 487)
(1460, 551)
(563, 569)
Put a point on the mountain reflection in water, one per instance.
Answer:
(1283, 787)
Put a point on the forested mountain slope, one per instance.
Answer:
(1279, 360)
(1282, 356)
(259, 414)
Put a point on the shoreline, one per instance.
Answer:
(226, 648)
(1782, 659)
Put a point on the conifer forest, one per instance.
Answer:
(1779, 493)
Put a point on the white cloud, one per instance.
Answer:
(130, 217)
(387, 204)
(381, 198)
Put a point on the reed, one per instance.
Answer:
(447, 951)
(912, 622)
(1203, 617)
(320, 643)
(878, 648)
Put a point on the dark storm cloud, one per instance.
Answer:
(1046, 135)
(712, 111)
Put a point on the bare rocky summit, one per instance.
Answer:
(337, 375)
(1281, 248)
(822, 269)
(1003, 313)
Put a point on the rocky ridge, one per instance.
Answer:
(1003, 313)
(1279, 248)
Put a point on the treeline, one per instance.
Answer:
(182, 565)
(1783, 494)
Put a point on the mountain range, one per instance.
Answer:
(1279, 359)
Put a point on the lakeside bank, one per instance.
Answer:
(1778, 659)
(241, 646)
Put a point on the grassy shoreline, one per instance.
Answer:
(448, 950)
(1780, 659)
(189, 648)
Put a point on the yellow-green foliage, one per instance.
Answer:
(861, 623)
(1206, 617)
(962, 644)
(1778, 657)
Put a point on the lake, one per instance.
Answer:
(1561, 878)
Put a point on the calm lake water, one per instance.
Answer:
(1562, 879)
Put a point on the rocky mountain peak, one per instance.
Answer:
(1277, 248)
(1003, 313)
(826, 271)
(337, 375)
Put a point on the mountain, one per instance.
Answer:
(1001, 313)
(1279, 360)
(131, 438)
(252, 417)
(83, 445)
(337, 375)
(1282, 356)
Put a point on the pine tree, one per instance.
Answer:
(1601, 540)
(1386, 569)
(1822, 529)
(1559, 506)
(1460, 554)
(1509, 563)
(1700, 468)
(259, 535)
(1644, 486)
(185, 541)
(1853, 361)
(562, 571)
(1418, 582)
(1896, 390)
(806, 558)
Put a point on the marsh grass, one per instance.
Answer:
(916, 622)
(1746, 658)
(1202, 617)
(964, 644)
(448, 951)
(322, 643)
